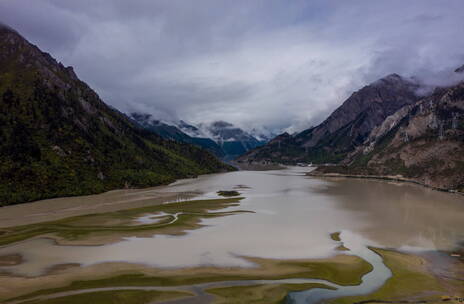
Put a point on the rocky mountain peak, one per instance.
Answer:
(460, 69)
(391, 78)
(221, 124)
(369, 107)
(281, 137)
(396, 81)
(346, 128)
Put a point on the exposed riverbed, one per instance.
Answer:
(291, 217)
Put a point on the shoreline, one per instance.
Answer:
(257, 166)
(394, 178)
(64, 207)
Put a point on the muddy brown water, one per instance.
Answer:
(293, 218)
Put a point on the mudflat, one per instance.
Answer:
(59, 208)
(286, 236)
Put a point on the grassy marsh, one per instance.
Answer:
(341, 269)
(95, 229)
(116, 297)
(269, 294)
(411, 280)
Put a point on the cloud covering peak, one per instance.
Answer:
(281, 64)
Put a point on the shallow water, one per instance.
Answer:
(293, 218)
(370, 281)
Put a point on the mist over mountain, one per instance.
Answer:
(221, 138)
(389, 129)
(347, 127)
(285, 66)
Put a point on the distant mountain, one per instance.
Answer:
(234, 141)
(345, 129)
(221, 138)
(58, 138)
(460, 69)
(172, 132)
(262, 134)
(191, 130)
(423, 142)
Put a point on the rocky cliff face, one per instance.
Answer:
(57, 138)
(423, 142)
(345, 129)
(363, 111)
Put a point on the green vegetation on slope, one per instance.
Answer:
(269, 294)
(57, 138)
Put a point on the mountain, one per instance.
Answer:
(192, 130)
(172, 132)
(262, 134)
(221, 138)
(234, 141)
(58, 138)
(345, 129)
(423, 142)
(385, 130)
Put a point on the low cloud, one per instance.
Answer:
(280, 64)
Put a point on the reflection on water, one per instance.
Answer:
(293, 218)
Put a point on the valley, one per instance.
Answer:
(221, 138)
(298, 152)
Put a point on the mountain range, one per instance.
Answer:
(384, 130)
(221, 138)
(58, 138)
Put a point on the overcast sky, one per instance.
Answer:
(254, 63)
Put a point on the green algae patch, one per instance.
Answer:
(342, 248)
(410, 280)
(335, 236)
(112, 226)
(116, 297)
(228, 193)
(266, 293)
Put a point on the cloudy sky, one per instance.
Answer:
(280, 64)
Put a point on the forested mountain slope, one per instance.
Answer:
(58, 138)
